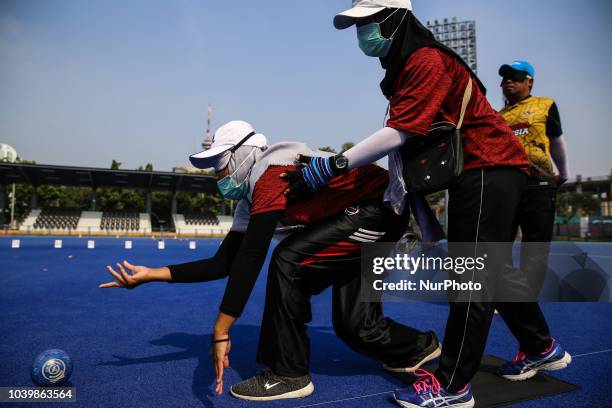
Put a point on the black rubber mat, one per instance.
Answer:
(490, 390)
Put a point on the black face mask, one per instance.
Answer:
(411, 36)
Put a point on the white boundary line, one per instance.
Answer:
(345, 399)
(389, 392)
(594, 352)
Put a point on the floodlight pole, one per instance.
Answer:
(13, 207)
(9, 154)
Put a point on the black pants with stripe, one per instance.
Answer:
(326, 254)
(484, 205)
(536, 217)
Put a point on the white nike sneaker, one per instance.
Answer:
(267, 386)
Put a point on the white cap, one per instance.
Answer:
(226, 137)
(365, 8)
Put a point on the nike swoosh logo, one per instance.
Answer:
(268, 386)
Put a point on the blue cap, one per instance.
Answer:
(517, 65)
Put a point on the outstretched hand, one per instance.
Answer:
(220, 356)
(137, 275)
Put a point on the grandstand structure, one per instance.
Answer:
(599, 187)
(86, 222)
(121, 221)
(197, 224)
(57, 219)
(91, 221)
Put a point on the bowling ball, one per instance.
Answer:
(51, 368)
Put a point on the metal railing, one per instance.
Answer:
(96, 232)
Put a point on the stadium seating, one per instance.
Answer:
(57, 219)
(120, 221)
(201, 219)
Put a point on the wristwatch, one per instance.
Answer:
(340, 163)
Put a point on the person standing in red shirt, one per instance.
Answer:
(425, 82)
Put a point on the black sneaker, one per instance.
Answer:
(267, 386)
(433, 350)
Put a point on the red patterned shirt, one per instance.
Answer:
(364, 183)
(430, 90)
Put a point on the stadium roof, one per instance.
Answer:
(40, 174)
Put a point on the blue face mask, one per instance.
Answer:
(371, 40)
(230, 188)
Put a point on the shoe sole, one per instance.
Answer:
(467, 404)
(301, 393)
(554, 366)
(435, 354)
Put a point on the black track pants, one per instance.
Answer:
(536, 217)
(328, 254)
(468, 323)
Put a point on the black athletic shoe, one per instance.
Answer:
(433, 350)
(267, 386)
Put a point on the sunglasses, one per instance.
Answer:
(517, 76)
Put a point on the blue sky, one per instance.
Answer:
(85, 82)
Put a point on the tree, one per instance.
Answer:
(119, 199)
(63, 197)
(570, 204)
(160, 208)
(327, 149)
(346, 146)
(23, 192)
(190, 202)
(148, 168)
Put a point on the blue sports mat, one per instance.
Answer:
(149, 346)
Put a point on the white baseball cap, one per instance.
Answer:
(225, 138)
(365, 8)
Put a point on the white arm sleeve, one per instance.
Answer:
(558, 152)
(374, 147)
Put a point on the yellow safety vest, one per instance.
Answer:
(528, 120)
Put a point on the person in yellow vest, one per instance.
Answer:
(535, 121)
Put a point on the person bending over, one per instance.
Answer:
(320, 244)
